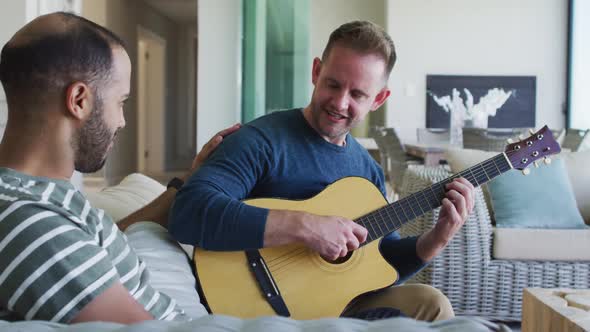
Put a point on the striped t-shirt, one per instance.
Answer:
(57, 253)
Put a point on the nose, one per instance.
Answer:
(340, 100)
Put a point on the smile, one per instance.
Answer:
(336, 116)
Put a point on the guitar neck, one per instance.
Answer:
(393, 216)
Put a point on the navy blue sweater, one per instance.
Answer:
(276, 156)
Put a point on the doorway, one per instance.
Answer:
(151, 77)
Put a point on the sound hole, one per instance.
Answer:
(339, 260)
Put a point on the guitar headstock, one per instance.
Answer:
(527, 151)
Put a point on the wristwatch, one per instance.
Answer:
(175, 183)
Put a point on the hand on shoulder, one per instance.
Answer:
(210, 146)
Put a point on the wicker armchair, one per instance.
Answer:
(576, 139)
(433, 135)
(475, 282)
(490, 139)
(393, 158)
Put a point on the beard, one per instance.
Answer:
(91, 143)
(318, 112)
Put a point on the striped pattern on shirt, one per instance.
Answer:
(57, 253)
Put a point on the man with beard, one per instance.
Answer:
(66, 80)
(295, 154)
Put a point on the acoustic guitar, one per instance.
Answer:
(295, 281)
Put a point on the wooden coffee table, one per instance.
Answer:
(560, 309)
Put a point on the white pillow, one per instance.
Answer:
(134, 192)
(169, 267)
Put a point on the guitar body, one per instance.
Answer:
(310, 286)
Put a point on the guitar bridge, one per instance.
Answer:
(266, 283)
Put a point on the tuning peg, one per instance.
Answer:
(536, 163)
(520, 137)
(547, 160)
(532, 132)
(510, 141)
(526, 171)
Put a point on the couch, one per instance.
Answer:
(484, 269)
(170, 271)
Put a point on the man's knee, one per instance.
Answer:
(434, 304)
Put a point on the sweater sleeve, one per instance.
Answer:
(208, 212)
(401, 254)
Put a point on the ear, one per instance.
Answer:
(315, 71)
(380, 98)
(79, 100)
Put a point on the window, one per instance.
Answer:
(276, 59)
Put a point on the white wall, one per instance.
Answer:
(327, 15)
(476, 37)
(12, 19)
(219, 66)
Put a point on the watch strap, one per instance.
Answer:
(175, 183)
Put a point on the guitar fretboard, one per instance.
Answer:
(393, 216)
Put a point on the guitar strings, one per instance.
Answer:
(286, 256)
(283, 255)
(479, 172)
(293, 256)
(301, 253)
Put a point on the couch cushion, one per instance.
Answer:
(541, 244)
(220, 323)
(543, 199)
(134, 191)
(168, 265)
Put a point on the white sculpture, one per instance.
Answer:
(479, 113)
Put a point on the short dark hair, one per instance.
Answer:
(51, 62)
(365, 37)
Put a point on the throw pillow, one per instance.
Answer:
(135, 191)
(169, 267)
(575, 162)
(543, 199)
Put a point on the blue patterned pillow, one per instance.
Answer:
(543, 199)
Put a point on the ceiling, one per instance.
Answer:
(177, 10)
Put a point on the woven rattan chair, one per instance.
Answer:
(475, 282)
(576, 139)
(488, 139)
(433, 135)
(392, 155)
